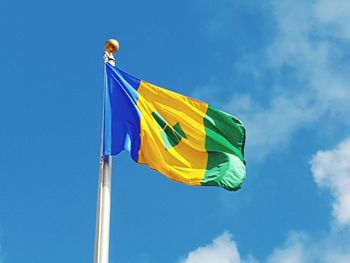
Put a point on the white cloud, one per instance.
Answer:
(292, 252)
(223, 249)
(310, 41)
(302, 46)
(331, 169)
(336, 15)
(298, 248)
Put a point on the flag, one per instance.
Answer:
(183, 138)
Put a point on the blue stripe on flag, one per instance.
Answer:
(121, 115)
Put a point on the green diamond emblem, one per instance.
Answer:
(171, 135)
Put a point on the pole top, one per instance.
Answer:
(111, 46)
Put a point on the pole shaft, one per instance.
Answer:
(103, 211)
(104, 201)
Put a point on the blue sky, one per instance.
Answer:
(280, 66)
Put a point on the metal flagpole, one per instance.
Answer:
(104, 185)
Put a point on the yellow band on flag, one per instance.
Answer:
(186, 162)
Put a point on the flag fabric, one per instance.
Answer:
(184, 139)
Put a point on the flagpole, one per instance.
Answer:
(104, 186)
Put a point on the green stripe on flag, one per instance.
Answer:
(225, 138)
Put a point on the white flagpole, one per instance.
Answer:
(104, 186)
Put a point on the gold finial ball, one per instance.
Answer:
(111, 46)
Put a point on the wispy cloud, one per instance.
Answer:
(304, 47)
(331, 169)
(336, 15)
(300, 248)
(305, 60)
(292, 252)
